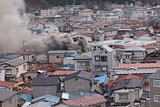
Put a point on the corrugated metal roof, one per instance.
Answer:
(47, 98)
(62, 51)
(25, 97)
(16, 62)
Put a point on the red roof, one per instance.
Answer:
(86, 101)
(5, 84)
(62, 73)
(130, 76)
(140, 33)
(145, 47)
(51, 69)
(139, 65)
(25, 91)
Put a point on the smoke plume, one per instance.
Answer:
(56, 42)
(11, 32)
(12, 35)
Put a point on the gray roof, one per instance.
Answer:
(81, 74)
(16, 62)
(62, 51)
(5, 94)
(84, 56)
(45, 81)
(3, 59)
(11, 56)
(155, 75)
(128, 83)
(109, 29)
(135, 48)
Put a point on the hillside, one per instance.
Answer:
(32, 5)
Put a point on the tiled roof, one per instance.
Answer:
(140, 65)
(139, 33)
(5, 84)
(62, 73)
(86, 101)
(123, 78)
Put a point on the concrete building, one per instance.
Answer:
(80, 81)
(154, 81)
(103, 59)
(8, 98)
(45, 85)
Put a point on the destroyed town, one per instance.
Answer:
(79, 53)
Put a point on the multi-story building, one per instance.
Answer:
(155, 89)
(103, 59)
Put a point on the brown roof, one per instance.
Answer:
(140, 33)
(86, 101)
(62, 73)
(139, 65)
(125, 77)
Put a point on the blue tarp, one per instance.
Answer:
(25, 97)
(47, 98)
(101, 79)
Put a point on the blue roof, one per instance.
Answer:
(67, 65)
(47, 98)
(74, 96)
(25, 97)
(62, 51)
(42, 104)
(11, 56)
(3, 59)
(72, 55)
(101, 79)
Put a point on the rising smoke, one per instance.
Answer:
(12, 34)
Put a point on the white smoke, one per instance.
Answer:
(11, 32)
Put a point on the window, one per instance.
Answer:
(83, 63)
(97, 67)
(104, 68)
(123, 97)
(16, 70)
(103, 58)
(156, 98)
(156, 83)
(97, 58)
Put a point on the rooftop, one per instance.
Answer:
(62, 73)
(62, 51)
(45, 81)
(81, 74)
(123, 78)
(86, 101)
(5, 84)
(5, 94)
(139, 65)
